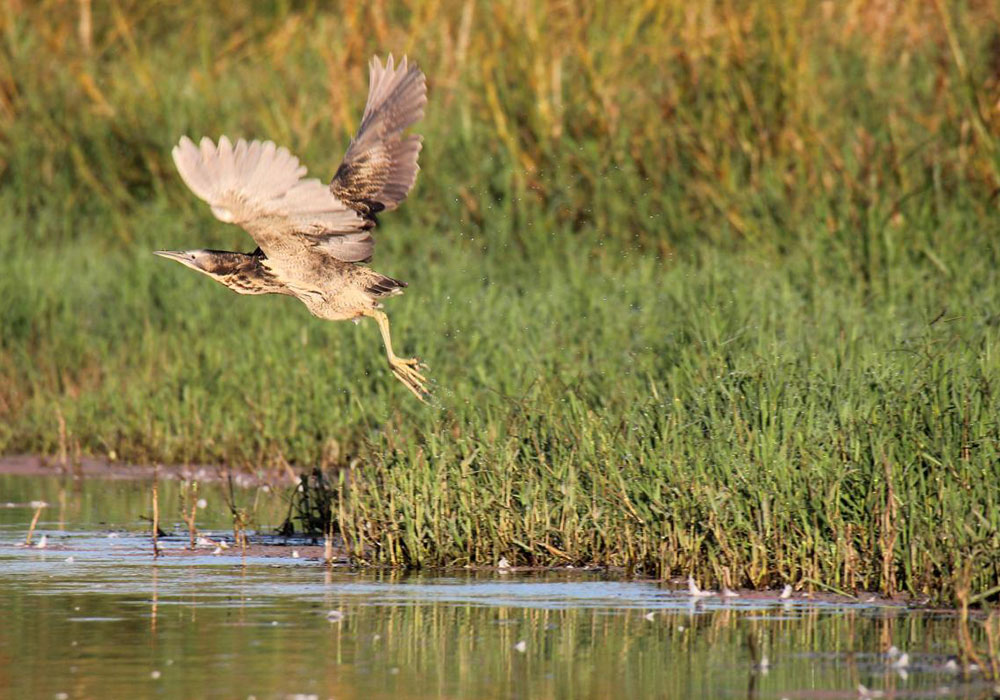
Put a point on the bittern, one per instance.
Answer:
(312, 239)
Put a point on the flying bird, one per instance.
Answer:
(312, 239)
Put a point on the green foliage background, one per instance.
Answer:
(705, 287)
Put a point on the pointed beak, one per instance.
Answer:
(182, 256)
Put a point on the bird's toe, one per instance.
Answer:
(405, 372)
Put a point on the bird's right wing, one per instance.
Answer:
(260, 187)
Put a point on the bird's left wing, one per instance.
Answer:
(261, 187)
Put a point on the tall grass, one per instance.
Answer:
(705, 287)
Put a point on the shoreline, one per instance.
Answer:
(103, 468)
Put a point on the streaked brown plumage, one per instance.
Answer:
(313, 238)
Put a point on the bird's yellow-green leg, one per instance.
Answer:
(406, 369)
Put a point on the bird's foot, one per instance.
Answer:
(407, 370)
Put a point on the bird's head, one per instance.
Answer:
(210, 262)
(241, 272)
(217, 264)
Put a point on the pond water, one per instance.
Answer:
(93, 615)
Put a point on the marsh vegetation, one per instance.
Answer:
(94, 615)
(705, 288)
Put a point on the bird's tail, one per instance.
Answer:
(381, 286)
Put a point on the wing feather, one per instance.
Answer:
(380, 165)
(261, 187)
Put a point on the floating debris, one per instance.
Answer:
(696, 592)
(295, 554)
(336, 616)
(786, 592)
(42, 543)
(726, 593)
(764, 666)
(155, 675)
(864, 692)
(38, 506)
(521, 646)
(68, 560)
(218, 550)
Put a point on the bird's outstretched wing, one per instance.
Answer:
(380, 165)
(261, 187)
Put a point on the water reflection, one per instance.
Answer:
(114, 622)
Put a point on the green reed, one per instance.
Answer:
(703, 288)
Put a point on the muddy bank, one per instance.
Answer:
(90, 467)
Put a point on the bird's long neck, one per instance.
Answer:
(244, 273)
